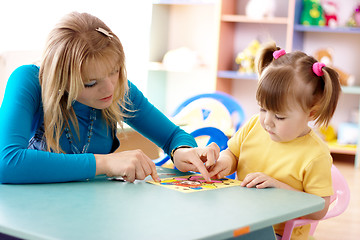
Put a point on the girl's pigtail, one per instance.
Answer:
(265, 56)
(331, 93)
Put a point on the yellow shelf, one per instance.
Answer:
(342, 149)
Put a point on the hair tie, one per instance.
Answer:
(317, 68)
(279, 53)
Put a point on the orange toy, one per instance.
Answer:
(325, 56)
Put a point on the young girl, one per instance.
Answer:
(277, 148)
(72, 104)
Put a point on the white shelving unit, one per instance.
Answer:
(189, 24)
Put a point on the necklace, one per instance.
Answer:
(69, 136)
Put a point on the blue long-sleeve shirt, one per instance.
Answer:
(21, 114)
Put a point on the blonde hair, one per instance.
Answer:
(70, 47)
(290, 77)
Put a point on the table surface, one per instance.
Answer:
(99, 209)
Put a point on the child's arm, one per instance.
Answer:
(225, 165)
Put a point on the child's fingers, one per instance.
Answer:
(217, 172)
(250, 180)
(262, 185)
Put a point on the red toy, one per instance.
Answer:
(330, 11)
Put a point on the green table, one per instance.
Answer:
(102, 209)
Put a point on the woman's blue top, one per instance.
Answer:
(21, 115)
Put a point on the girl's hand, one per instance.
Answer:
(259, 180)
(198, 159)
(225, 165)
(130, 165)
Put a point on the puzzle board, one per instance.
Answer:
(195, 183)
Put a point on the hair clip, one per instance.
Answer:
(279, 53)
(105, 32)
(317, 68)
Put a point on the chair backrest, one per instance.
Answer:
(216, 109)
(214, 135)
(341, 194)
(211, 134)
(339, 201)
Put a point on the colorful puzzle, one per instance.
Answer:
(195, 183)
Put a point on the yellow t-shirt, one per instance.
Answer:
(303, 163)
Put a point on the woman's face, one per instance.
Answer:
(99, 88)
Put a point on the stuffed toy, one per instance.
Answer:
(312, 13)
(259, 8)
(246, 58)
(181, 59)
(327, 133)
(354, 20)
(330, 11)
(325, 56)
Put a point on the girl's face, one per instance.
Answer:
(99, 90)
(284, 127)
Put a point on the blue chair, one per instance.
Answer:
(211, 105)
(215, 135)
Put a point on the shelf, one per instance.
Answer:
(158, 66)
(237, 75)
(245, 19)
(183, 2)
(254, 76)
(342, 149)
(303, 28)
(351, 90)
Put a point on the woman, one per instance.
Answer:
(58, 121)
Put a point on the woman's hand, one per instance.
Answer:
(198, 159)
(130, 165)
